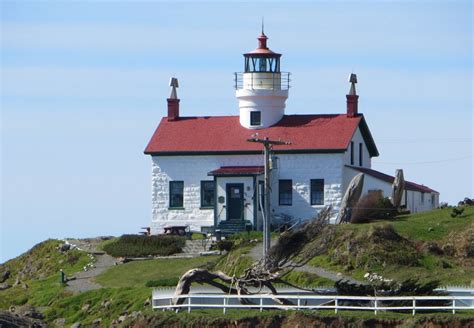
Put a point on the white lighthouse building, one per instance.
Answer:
(262, 88)
(206, 175)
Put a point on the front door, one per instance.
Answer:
(235, 201)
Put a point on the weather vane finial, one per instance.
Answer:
(263, 25)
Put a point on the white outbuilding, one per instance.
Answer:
(205, 173)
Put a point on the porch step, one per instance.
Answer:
(194, 247)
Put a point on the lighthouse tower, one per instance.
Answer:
(261, 89)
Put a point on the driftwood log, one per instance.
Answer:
(293, 249)
(350, 199)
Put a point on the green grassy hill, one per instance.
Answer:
(426, 246)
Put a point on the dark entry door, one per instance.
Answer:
(235, 201)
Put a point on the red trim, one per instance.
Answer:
(238, 170)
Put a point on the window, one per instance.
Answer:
(352, 152)
(360, 153)
(208, 193)
(285, 192)
(317, 192)
(422, 197)
(255, 118)
(176, 194)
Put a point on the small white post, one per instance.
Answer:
(224, 308)
(261, 304)
(454, 306)
(375, 307)
(299, 303)
(414, 306)
(335, 305)
(189, 304)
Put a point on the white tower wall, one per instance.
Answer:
(261, 92)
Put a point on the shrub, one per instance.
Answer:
(139, 245)
(372, 207)
(225, 245)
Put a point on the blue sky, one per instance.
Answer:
(84, 84)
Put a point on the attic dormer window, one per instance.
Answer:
(255, 118)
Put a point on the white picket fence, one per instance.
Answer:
(312, 302)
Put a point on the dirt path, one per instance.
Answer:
(256, 253)
(83, 280)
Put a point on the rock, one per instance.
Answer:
(147, 302)
(97, 322)
(76, 325)
(106, 304)
(64, 247)
(135, 314)
(434, 248)
(12, 309)
(5, 275)
(86, 307)
(17, 281)
(430, 229)
(60, 322)
(122, 318)
(24, 285)
(4, 286)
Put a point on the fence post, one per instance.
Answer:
(189, 304)
(224, 307)
(375, 306)
(299, 303)
(454, 306)
(414, 306)
(335, 305)
(261, 303)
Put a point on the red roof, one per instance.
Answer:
(238, 170)
(388, 178)
(224, 134)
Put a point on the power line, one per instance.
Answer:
(425, 162)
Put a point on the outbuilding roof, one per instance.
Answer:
(224, 135)
(388, 178)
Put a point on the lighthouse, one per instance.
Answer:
(261, 88)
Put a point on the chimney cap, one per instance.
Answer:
(173, 84)
(353, 81)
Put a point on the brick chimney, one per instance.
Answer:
(173, 101)
(352, 98)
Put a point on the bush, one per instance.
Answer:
(373, 207)
(225, 245)
(139, 245)
(165, 282)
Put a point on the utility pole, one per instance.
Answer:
(267, 148)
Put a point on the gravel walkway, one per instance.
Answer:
(257, 253)
(83, 280)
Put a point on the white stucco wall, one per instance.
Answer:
(300, 168)
(366, 160)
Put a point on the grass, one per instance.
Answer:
(121, 300)
(43, 260)
(236, 261)
(138, 245)
(137, 273)
(417, 226)
(434, 226)
(307, 279)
